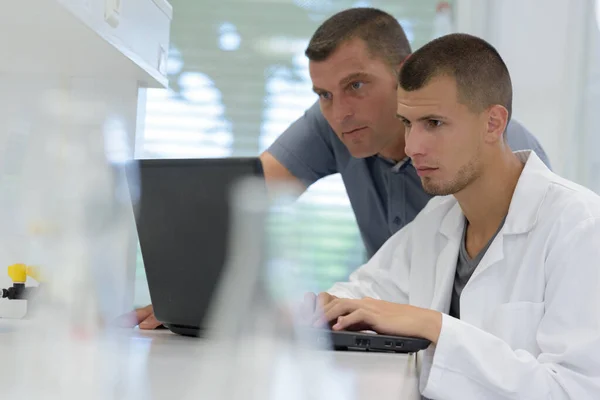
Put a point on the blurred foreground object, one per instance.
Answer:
(256, 347)
(67, 130)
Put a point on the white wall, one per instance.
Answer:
(551, 49)
(591, 105)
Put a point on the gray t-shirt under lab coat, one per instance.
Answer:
(465, 266)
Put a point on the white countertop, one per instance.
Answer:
(161, 365)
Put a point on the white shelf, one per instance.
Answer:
(73, 38)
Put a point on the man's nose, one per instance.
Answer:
(415, 141)
(342, 110)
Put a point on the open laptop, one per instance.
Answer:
(183, 225)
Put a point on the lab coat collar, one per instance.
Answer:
(529, 194)
(524, 207)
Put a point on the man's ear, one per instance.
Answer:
(497, 119)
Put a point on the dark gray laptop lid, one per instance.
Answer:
(183, 221)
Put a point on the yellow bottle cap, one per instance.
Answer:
(17, 272)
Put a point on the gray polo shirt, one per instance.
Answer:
(384, 195)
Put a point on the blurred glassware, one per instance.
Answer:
(256, 346)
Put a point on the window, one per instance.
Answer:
(238, 77)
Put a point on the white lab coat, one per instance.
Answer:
(530, 314)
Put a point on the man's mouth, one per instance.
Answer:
(424, 171)
(356, 130)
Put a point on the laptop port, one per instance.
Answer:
(399, 345)
(362, 342)
(388, 343)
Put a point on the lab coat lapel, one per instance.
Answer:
(493, 255)
(451, 229)
(522, 213)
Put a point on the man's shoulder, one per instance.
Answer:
(553, 201)
(308, 148)
(517, 133)
(568, 223)
(573, 202)
(519, 137)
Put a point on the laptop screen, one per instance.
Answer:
(182, 221)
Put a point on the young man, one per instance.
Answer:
(354, 58)
(500, 271)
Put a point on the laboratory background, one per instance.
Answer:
(88, 88)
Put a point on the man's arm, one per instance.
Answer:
(374, 281)
(303, 151)
(385, 276)
(276, 174)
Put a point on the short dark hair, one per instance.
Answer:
(482, 78)
(380, 31)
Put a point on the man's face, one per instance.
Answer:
(443, 137)
(357, 93)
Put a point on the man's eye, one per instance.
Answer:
(434, 123)
(356, 85)
(325, 95)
